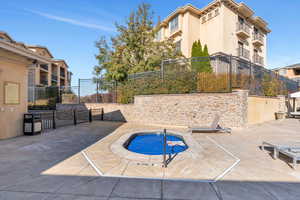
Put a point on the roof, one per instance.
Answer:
(297, 65)
(295, 95)
(239, 7)
(6, 34)
(40, 47)
(61, 61)
(20, 50)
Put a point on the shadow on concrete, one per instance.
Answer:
(116, 116)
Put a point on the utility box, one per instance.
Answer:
(32, 124)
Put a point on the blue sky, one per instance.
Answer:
(69, 28)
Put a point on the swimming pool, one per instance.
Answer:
(153, 143)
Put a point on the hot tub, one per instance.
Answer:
(153, 143)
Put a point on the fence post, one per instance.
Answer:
(75, 117)
(79, 91)
(53, 119)
(250, 75)
(230, 73)
(102, 114)
(97, 90)
(116, 92)
(90, 115)
(162, 69)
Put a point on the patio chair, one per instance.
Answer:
(292, 150)
(214, 127)
(295, 114)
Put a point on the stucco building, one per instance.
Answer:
(15, 60)
(291, 72)
(55, 73)
(224, 26)
(23, 66)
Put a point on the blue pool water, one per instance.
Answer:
(152, 144)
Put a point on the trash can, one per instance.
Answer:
(32, 124)
(279, 115)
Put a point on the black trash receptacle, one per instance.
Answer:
(32, 124)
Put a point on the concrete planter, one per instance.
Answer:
(279, 115)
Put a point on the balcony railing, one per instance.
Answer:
(62, 73)
(242, 52)
(45, 67)
(44, 81)
(243, 29)
(258, 39)
(258, 59)
(54, 77)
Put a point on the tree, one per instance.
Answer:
(206, 67)
(134, 48)
(200, 58)
(196, 54)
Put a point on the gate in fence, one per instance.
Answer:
(60, 118)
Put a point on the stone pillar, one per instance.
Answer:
(282, 106)
(243, 103)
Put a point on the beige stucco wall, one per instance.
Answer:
(263, 109)
(13, 68)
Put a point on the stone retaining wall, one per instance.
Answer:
(183, 109)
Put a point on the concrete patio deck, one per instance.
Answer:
(24, 161)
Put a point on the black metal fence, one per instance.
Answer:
(178, 76)
(54, 119)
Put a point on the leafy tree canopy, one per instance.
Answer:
(134, 48)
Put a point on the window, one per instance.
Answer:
(216, 12)
(174, 24)
(158, 35)
(241, 20)
(178, 46)
(203, 19)
(241, 45)
(209, 15)
(255, 52)
(297, 71)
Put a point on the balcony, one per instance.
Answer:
(44, 67)
(244, 53)
(243, 30)
(258, 59)
(62, 74)
(44, 82)
(258, 39)
(54, 77)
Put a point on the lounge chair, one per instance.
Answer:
(292, 150)
(214, 127)
(294, 114)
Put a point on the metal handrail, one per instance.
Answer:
(243, 27)
(258, 36)
(165, 148)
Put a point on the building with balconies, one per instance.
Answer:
(290, 71)
(225, 26)
(55, 73)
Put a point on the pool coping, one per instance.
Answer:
(118, 148)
